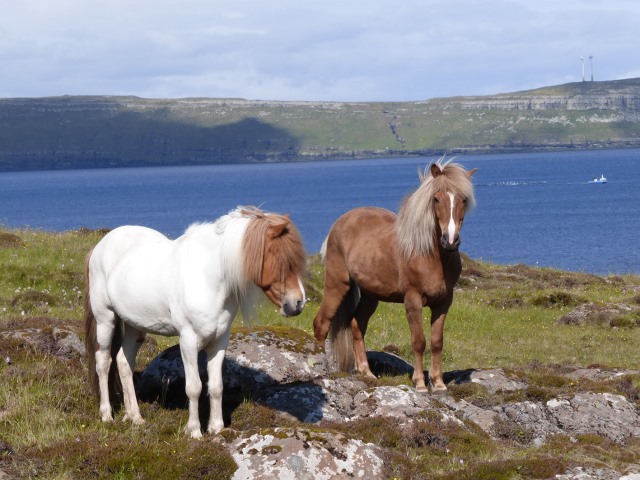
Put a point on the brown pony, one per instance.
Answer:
(371, 255)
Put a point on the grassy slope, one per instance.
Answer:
(49, 425)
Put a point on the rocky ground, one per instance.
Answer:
(287, 373)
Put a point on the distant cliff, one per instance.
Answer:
(84, 132)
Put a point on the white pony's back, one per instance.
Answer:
(148, 277)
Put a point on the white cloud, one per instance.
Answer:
(291, 50)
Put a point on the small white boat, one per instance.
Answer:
(602, 179)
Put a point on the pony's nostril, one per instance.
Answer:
(292, 309)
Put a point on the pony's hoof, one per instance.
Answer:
(422, 389)
(215, 429)
(439, 392)
(368, 374)
(134, 420)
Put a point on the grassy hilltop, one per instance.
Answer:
(72, 132)
(502, 317)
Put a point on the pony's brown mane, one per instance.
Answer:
(416, 224)
(287, 251)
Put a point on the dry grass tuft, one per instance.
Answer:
(10, 240)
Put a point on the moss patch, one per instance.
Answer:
(32, 299)
(557, 299)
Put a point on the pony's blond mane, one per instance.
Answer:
(287, 251)
(416, 223)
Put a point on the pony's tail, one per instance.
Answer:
(323, 251)
(116, 392)
(340, 333)
(91, 345)
(90, 332)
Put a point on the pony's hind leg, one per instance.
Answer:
(337, 284)
(126, 358)
(366, 307)
(105, 328)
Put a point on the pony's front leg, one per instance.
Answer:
(193, 384)
(413, 310)
(437, 340)
(215, 355)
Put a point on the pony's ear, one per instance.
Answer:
(435, 170)
(278, 227)
(471, 172)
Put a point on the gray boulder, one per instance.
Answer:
(271, 355)
(58, 342)
(589, 473)
(344, 399)
(594, 314)
(288, 372)
(301, 454)
(254, 359)
(596, 374)
(605, 414)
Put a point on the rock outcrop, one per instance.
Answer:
(302, 454)
(59, 342)
(286, 373)
(614, 315)
(290, 376)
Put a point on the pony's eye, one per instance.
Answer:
(435, 200)
(464, 200)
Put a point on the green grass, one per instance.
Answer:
(479, 335)
(503, 316)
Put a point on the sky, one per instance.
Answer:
(295, 50)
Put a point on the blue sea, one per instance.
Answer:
(536, 208)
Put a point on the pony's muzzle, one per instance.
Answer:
(447, 245)
(292, 308)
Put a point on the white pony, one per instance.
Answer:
(138, 281)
